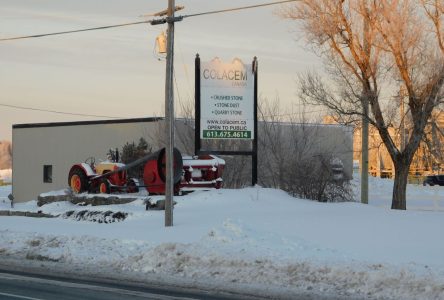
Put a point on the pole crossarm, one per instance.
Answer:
(168, 20)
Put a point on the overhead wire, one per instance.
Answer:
(72, 31)
(190, 91)
(153, 22)
(57, 112)
(177, 88)
(237, 8)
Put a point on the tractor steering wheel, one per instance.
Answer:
(90, 161)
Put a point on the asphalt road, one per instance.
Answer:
(20, 285)
(31, 280)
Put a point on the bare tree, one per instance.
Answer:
(296, 156)
(365, 42)
(291, 154)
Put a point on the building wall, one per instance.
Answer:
(64, 144)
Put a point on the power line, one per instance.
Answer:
(56, 112)
(72, 31)
(237, 8)
(177, 88)
(152, 22)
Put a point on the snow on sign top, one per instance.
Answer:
(227, 100)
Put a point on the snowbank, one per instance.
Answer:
(426, 198)
(256, 240)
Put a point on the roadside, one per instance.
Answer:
(133, 281)
(257, 241)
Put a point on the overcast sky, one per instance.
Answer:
(115, 73)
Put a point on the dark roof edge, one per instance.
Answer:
(95, 122)
(138, 120)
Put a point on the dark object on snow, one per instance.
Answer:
(43, 199)
(11, 198)
(159, 205)
(84, 199)
(38, 214)
(148, 204)
(95, 216)
(434, 180)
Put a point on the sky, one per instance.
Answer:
(115, 72)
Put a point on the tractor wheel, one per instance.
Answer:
(177, 165)
(133, 186)
(77, 181)
(104, 187)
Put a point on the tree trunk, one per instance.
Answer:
(400, 185)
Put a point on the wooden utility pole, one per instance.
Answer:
(169, 117)
(364, 131)
(364, 153)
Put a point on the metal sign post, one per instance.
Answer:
(254, 152)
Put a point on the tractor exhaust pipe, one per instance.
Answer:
(159, 156)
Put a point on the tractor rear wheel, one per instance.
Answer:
(177, 165)
(104, 187)
(78, 181)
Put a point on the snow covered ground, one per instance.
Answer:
(256, 240)
(428, 198)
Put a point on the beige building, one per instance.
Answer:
(43, 153)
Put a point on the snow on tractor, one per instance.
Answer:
(190, 173)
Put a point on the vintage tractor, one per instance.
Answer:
(190, 173)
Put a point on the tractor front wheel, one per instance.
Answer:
(78, 181)
(104, 187)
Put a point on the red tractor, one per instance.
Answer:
(190, 173)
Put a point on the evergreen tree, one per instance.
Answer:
(131, 152)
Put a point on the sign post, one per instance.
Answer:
(226, 105)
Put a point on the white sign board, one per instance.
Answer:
(226, 100)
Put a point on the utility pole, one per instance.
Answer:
(364, 131)
(169, 107)
(364, 153)
(169, 117)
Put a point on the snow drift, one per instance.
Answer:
(254, 240)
